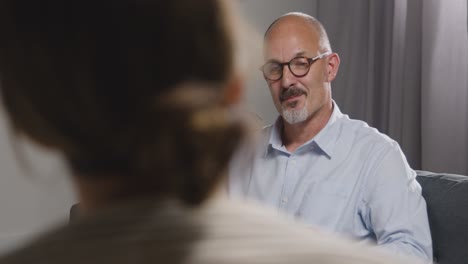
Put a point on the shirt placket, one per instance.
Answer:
(289, 178)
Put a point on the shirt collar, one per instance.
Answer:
(274, 140)
(325, 140)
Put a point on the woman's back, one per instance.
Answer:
(148, 231)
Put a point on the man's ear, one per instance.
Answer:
(333, 66)
(233, 91)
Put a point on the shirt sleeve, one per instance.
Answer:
(397, 211)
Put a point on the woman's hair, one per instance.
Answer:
(128, 88)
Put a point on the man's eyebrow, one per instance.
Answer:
(301, 53)
(272, 60)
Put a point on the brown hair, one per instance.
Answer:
(104, 82)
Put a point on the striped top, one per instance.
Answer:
(221, 231)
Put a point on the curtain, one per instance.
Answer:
(445, 86)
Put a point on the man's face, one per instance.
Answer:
(297, 98)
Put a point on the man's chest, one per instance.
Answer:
(311, 187)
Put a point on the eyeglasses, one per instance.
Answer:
(298, 66)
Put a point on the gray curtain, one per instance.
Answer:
(444, 75)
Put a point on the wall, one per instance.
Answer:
(34, 192)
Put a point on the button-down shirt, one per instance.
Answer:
(349, 179)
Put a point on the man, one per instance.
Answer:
(320, 166)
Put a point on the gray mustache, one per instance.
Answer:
(291, 92)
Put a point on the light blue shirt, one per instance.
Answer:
(349, 179)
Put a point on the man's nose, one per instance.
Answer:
(288, 78)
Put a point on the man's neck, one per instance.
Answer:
(295, 135)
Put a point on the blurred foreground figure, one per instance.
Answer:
(320, 166)
(136, 96)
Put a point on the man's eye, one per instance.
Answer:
(274, 67)
(300, 63)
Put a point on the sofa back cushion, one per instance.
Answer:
(447, 204)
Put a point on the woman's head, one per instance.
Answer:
(134, 89)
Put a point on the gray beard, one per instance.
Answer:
(294, 116)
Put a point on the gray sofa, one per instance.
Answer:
(447, 205)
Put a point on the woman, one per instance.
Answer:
(136, 95)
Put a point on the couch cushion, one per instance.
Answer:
(447, 204)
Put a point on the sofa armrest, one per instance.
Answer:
(446, 196)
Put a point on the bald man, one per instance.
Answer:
(320, 166)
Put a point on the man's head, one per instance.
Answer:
(126, 88)
(301, 41)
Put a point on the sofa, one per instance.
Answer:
(447, 205)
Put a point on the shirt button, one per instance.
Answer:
(284, 200)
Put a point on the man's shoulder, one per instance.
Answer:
(266, 130)
(260, 139)
(366, 136)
